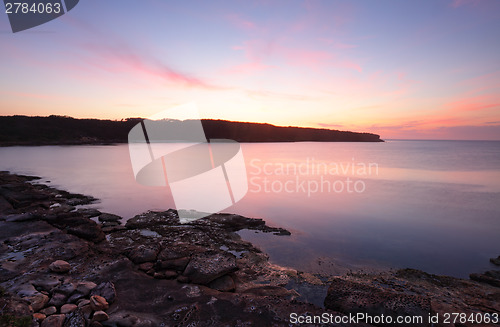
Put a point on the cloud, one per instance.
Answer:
(241, 22)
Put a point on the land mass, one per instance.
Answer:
(56, 130)
(65, 266)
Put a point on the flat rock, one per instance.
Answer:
(88, 212)
(205, 267)
(153, 218)
(143, 253)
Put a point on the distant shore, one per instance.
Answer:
(63, 130)
(63, 262)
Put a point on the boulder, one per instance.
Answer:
(60, 266)
(205, 267)
(38, 301)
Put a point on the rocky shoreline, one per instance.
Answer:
(66, 265)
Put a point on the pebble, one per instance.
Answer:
(49, 311)
(100, 316)
(54, 321)
(67, 308)
(98, 303)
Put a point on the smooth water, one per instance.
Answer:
(430, 205)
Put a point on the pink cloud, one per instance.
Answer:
(241, 22)
(460, 3)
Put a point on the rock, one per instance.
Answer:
(38, 301)
(488, 277)
(146, 266)
(88, 212)
(57, 299)
(100, 316)
(347, 296)
(66, 289)
(54, 321)
(183, 279)
(178, 264)
(68, 308)
(86, 311)
(223, 284)
(107, 217)
(75, 297)
(46, 283)
(85, 287)
(98, 303)
(205, 267)
(21, 217)
(60, 266)
(106, 290)
(27, 290)
(49, 311)
(95, 324)
(83, 302)
(112, 229)
(89, 231)
(168, 274)
(75, 319)
(152, 218)
(495, 261)
(143, 253)
(39, 316)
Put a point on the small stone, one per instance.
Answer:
(60, 266)
(100, 316)
(86, 311)
(38, 301)
(57, 299)
(98, 303)
(54, 321)
(68, 308)
(49, 311)
(39, 316)
(85, 287)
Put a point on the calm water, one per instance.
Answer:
(431, 205)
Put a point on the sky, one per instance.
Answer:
(401, 69)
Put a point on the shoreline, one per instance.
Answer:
(154, 270)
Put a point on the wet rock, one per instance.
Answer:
(223, 284)
(75, 319)
(143, 253)
(27, 290)
(75, 297)
(21, 217)
(146, 266)
(106, 290)
(98, 303)
(112, 229)
(54, 321)
(205, 267)
(49, 311)
(108, 217)
(85, 287)
(60, 266)
(495, 261)
(68, 308)
(57, 299)
(100, 316)
(66, 289)
(38, 301)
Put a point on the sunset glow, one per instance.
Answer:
(401, 69)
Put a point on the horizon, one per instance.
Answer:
(362, 67)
